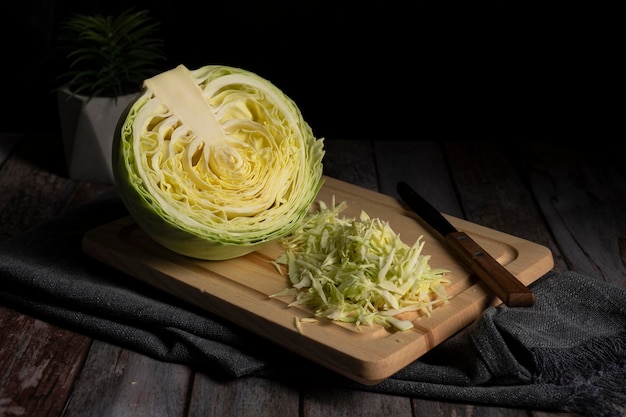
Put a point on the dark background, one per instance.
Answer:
(361, 70)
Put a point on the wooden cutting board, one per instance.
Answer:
(239, 289)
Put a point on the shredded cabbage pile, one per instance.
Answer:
(358, 271)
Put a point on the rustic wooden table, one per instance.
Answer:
(571, 200)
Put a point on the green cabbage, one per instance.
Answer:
(215, 162)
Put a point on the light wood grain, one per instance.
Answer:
(240, 289)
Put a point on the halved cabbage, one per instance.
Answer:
(214, 162)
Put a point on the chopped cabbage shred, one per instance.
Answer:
(358, 271)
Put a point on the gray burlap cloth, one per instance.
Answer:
(567, 352)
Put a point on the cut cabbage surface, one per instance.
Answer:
(359, 270)
(212, 163)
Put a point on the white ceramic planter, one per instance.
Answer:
(88, 128)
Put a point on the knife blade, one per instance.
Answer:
(497, 278)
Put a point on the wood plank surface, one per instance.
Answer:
(121, 383)
(319, 401)
(581, 192)
(249, 396)
(39, 364)
(571, 201)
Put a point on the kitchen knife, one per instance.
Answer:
(499, 280)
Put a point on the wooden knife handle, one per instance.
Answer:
(499, 280)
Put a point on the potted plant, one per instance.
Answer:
(107, 59)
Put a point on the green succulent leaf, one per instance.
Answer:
(110, 55)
